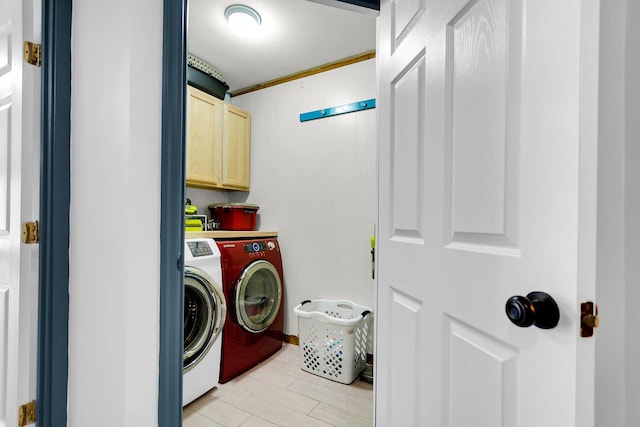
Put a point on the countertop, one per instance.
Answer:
(228, 234)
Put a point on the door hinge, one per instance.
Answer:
(31, 232)
(33, 53)
(27, 413)
(589, 319)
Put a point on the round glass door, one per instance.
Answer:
(258, 296)
(204, 314)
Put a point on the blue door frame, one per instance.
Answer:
(174, 88)
(53, 286)
(53, 305)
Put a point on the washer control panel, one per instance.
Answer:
(199, 248)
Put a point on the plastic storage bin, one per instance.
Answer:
(333, 338)
(234, 216)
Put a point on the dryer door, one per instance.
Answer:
(204, 315)
(258, 296)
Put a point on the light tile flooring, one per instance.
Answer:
(279, 393)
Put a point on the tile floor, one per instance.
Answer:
(279, 393)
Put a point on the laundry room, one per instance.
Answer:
(312, 181)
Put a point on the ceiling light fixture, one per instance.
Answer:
(242, 18)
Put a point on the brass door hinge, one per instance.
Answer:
(27, 413)
(31, 232)
(33, 53)
(589, 319)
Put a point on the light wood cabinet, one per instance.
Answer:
(218, 143)
(236, 148)
(204, 139)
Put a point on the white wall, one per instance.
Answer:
(203, 198)
(618, 292)
(631, 296)
(610, 366)
(115, 199)
(315, 183)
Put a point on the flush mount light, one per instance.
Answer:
(242, 18)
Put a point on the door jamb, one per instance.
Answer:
(53, 282)
(174, 88)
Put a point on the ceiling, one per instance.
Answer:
(295, 35)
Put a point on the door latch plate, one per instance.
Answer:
(589, 319)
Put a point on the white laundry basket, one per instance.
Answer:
(333, 338)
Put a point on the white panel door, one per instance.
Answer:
(19, 202)
(487, 168)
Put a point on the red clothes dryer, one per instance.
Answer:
(253, 285)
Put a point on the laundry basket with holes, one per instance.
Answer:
(333, 338)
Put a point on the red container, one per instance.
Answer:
(235, 216)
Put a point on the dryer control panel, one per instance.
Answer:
(255, 247)
(252, 247)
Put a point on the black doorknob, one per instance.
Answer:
(537, 308)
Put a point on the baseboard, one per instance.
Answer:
(290, 339)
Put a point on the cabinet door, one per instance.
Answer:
(204, 136)
(236, 148)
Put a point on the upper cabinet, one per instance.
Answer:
(204, 139)
(218, 143)
(236, 148)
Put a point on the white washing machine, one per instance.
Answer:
(204, 316)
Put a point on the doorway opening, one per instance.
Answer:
(332, 154)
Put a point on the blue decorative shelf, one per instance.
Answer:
(341, 109)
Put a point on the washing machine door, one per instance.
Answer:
(258, 296)
(204, 314)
